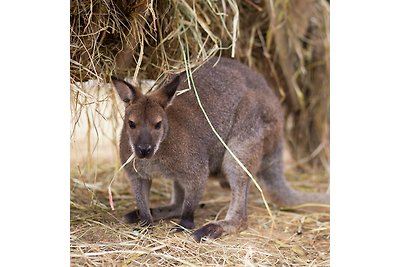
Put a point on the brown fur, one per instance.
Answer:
(247, 115)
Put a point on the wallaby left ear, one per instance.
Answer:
(126, 91)
(167, 92)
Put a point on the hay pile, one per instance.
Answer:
(287, 41)
(99, 238)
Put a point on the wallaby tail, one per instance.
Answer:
(279, 191)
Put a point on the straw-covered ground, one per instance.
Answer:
(99, 238)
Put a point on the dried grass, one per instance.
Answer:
(99, 238)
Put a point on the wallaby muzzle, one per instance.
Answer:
(144, 150)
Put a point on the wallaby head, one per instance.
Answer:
(145, 122)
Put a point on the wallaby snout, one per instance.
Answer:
(143, 145)
(143, 150)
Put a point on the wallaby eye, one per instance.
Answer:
(132, 125)
(158, 125)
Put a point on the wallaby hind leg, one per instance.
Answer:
(277, 188)
(173, 210)
(250, 153)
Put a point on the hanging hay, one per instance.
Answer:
(287, 41)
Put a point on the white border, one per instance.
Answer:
(365, 134)
(34, 140)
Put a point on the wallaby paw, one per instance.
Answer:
(211, 230)
(134, 217)
(131, 217)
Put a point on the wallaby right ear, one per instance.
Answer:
(126, 91)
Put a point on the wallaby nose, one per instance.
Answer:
(145, 149)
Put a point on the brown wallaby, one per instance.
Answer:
(171, 138)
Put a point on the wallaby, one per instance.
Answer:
(170, 137)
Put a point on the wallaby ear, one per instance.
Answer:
(167, 92)
(126, 91)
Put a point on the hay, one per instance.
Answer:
(287, 41)
(99, 238)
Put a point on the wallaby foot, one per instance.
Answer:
(131, 217)
(150, 215)
(165, 212)
(217, 229)
(134, 217)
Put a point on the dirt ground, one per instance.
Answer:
(99, 238)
